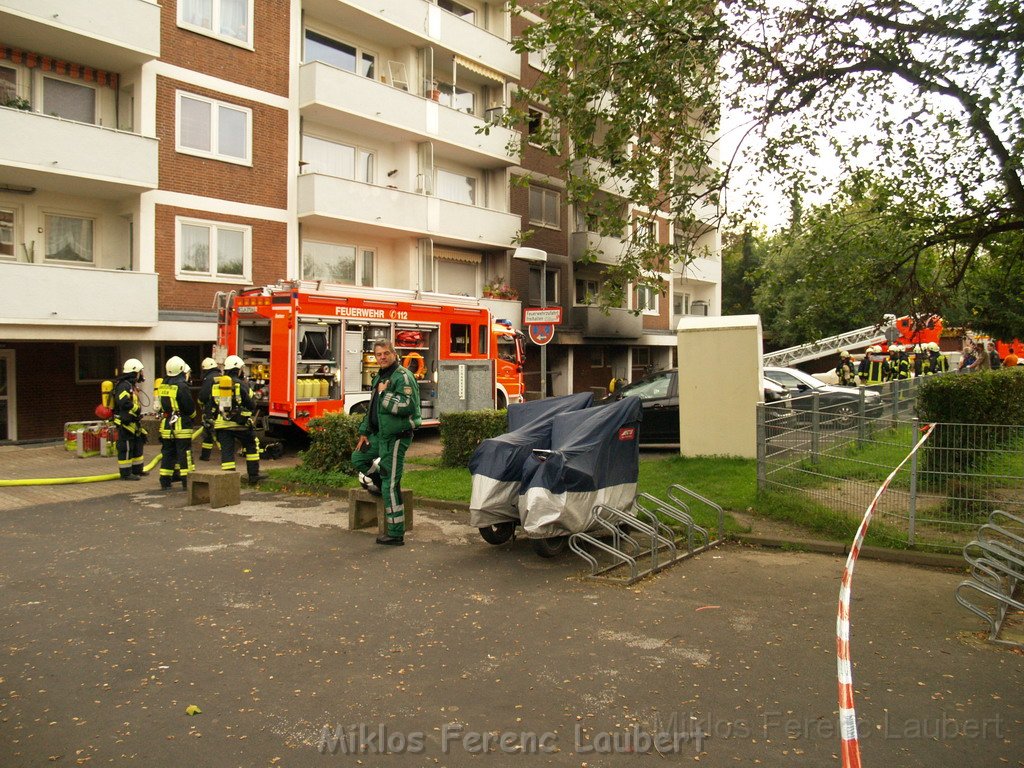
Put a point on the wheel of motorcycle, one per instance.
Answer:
(551, 547)
(498, 533)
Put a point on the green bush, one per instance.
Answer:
(332, 440)
(461, 433)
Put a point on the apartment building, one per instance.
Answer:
(157, 154)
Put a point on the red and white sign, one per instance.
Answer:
(548, 316)
(541, 333)
(627, 434)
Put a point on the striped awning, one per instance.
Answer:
(61, 67)
(450, 254)
(480, 69)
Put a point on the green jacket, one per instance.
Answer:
(398, 407)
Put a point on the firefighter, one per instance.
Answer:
(939, 363)
(877, 367)
(178, 411)
(899, 364)
(208, 407)
(235, 422)
(846, 371)
(131, 437)
(386, 433)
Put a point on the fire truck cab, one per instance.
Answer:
(308, 348)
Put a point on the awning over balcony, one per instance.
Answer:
(463, 257)
(479, 69)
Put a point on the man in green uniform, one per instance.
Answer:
(386, 433)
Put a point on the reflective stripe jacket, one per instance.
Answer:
(207, 401)
(398, 407)
(127, 409)
(178, 408)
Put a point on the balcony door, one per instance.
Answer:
(8, 412)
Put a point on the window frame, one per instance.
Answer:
(46, 214)
(544, 191)
(655, 296)
(356, 164)
(215, 106)
(360, 54)
(476, 186)
(597, 287)
(116, 357)
(12, 229)
(359, 257)
(211, 276)
(52, 76)
(215, 25)
(551, 297)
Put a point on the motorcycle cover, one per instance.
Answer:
(497, 463)
(594, 459)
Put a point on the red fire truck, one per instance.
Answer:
(308, 348)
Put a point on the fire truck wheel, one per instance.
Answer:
(359, 408)
(551, 547)
(498, 533)
(501, 402)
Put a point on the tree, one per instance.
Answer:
(992, 299)
(741, 257)
(931, 93)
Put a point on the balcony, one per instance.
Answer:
(617, 324)
(117, 35)
(49, 294)
(609, 249)
(334, 97)
(384, 212)
(701, 270)
(506, 309)
(605, 176)
(417, 23)
(49, 153)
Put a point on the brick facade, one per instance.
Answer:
(46, 393)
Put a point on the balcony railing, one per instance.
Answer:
(609, 249)
(328, 94)
(114, 35)
(51, 294)
(617, 324)
(45, 152)
(395, 213)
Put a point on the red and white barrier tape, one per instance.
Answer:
(850, 748)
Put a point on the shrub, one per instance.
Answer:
(461, 433)
(332, 440)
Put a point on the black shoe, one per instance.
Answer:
(165, 487)
(255, 479)
(140, 474)
(130, 477)
(391, 541)
(184, 484)
(204, 456)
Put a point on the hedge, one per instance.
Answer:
(461, 433)
(332, 439)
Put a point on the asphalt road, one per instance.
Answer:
(119, 612)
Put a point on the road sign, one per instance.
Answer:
(541, 333)
(548, 316)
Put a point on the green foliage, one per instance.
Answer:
(834, 525)
(461, 433)
(741, 257)
(448, 484)
(332, 440)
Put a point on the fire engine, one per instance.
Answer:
(308, 347)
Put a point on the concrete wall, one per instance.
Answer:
(719, 385)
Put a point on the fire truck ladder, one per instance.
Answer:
(861, 337)
(624, 546)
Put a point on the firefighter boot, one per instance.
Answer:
(204, 454)
(126, 474)
(138, 471)
(184, 483)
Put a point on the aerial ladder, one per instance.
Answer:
(887, 331)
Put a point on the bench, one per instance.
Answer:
(365, 509)
(216, 488)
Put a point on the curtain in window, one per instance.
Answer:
(234, 19)
(231, 132)
(69, 100)
(195, 248)
(198, 12)
(68, 239)
(456, 187)
(328, 157)
(329, 261)
(367, 268)
(230, 252)
(194, 122)
(457, 277)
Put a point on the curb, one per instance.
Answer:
(906, 556)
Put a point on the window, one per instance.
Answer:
(341, 55)
(337, 263)
(68, 238)
(541, 128)
(461, 339)
(538, 59)
(72, 101)
(596, 354)
(647, 299)
(96, 363)
(645, 231)
(545, 205)
(641, 356)
(457, 98)
(334, 159)
(681, 304)
(586, 291)
(550, 288)
(229, 20)
(457, 277)
(456, 187)
(214, 129)
(6, 233)
(213, 250)
(468, 14)
(8, 86)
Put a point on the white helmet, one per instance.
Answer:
(208, 364)
(844, 354)
(933, 346)
(175, 366)
(131, 365)
(233, 363)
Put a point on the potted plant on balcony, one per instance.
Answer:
(499, 289)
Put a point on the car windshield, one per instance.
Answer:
(790, 377)
(650, 389)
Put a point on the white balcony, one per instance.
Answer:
(701, 270)
(604, 175)
(418, 23)
(48, 294)
(334, 97)
(393, 213)
(609, 249)
(112, 35)
(49, 153)
(593, 322)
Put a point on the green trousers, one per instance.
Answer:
(392, 462)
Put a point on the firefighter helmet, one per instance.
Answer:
(233, 363)
(844, 354)
(208, 364)
(176, 366)
(131, 365)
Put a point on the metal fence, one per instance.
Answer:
(836, 455)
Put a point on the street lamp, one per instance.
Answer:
(536, 255)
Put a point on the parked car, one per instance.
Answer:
(837, 405)
(659, 394)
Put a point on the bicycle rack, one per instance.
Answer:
(996, 558)
(639, 540)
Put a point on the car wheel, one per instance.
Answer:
(551, 547)
(498, 533)
(844, 415)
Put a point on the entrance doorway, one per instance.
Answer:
(8, 411)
